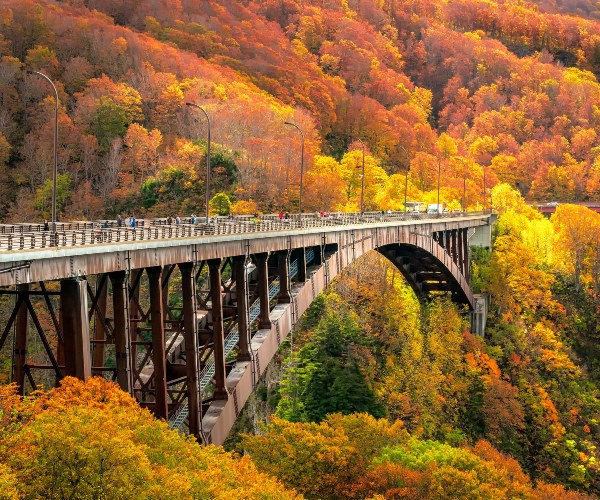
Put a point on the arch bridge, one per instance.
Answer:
(187, 317)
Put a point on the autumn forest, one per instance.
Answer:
(380, 395)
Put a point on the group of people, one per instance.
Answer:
(283, 216)
(127, 222)
(177, 220)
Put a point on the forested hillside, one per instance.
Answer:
(529, 389)
(380, 396)
(505, 90)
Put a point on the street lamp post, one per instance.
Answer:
(55, 162)
(484, 191)
(438, 186)
(464, 200)
(207, 195)
(301, 164)
(405, 175)
(362, 189)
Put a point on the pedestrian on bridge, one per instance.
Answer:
(46, 225)
(193, 219)
(119, 221)
(177, 221)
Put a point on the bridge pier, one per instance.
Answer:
(160, 406)
(218, 334)
(241, 297)
(21, 337)
(121, 331)
(99, 315)
(300, 254)
(264, 318)
(188, 290)
(75, 328)
(283, 267)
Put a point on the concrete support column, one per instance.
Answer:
(21, 330)
(99, 323)
(300, 255)
(264, 319)
(161, 406)
(122, 333)
(214, 267)
(283, 267)
(191, 348)
(75, 328)
(241, 278)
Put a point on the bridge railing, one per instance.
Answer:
(32, 236)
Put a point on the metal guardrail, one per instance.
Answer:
(32, 236)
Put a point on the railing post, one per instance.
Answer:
(75, 328)
(191, 348)
(264, 319)
(241, 295)
(21, 330)
(122, 331)
(214, 267)
(161, 408)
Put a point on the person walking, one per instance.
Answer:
(177, 221)
(119, 221)
(193, 219)
(133, 222)
(46, 225)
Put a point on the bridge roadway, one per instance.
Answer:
(187, 317)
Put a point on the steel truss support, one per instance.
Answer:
(99, 312)
(465, 241)
(21, 327)
(318, 252)
(75, 328)
(161, 406)
(241, 295)
(300, 254)
(261, 260)
(122, 333)
(218, 334)
(191, 347)
(453, 250)
(283, 268)
(460, 258)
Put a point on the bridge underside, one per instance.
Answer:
(425, 274)
(189, 338)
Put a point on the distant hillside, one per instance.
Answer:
(504, 88)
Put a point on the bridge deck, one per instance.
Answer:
(30, 257)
